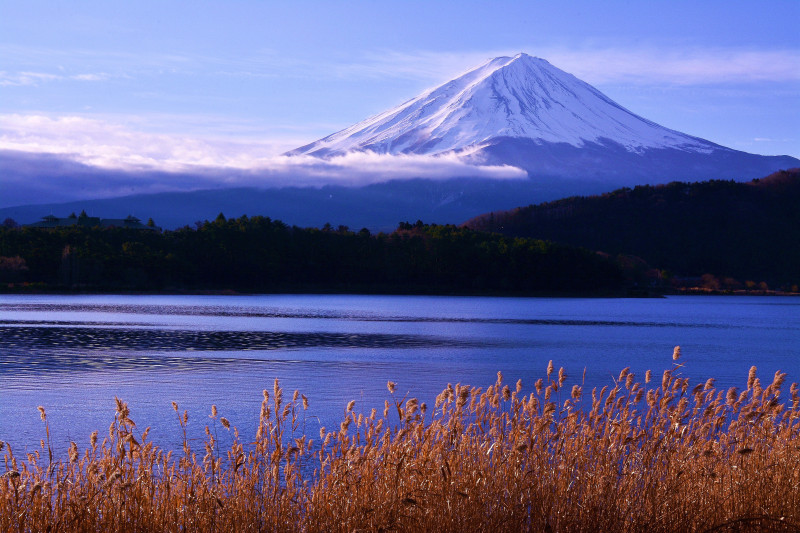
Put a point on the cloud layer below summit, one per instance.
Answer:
(71, 157)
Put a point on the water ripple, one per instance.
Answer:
(18, 367)
(319, 314)
(119, 339)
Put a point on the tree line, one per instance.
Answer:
(257, 254)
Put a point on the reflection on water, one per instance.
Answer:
(73, 354)
(33, 350)
(84, 338)
(26, 364)
(316, 314)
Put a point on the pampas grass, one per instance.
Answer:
(671, 457)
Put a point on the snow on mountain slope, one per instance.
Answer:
(520, 97)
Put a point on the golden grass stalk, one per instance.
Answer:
(626, 458)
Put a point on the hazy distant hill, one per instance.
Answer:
(748, 231)
(378, 207)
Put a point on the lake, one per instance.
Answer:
(74, 354)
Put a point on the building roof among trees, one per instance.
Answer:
(51, 221)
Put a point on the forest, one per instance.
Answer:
(734, 234)
(258, 254)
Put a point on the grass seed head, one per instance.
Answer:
(576, 392)
(778, 380)
(751, 377)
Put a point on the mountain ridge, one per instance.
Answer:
(537, 101)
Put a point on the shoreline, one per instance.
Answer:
(43, 290)
(630, 292)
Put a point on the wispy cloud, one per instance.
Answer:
(25, 78)
(363, 168)
(102, 76)
(638, 65)
(75, 58)
(648, 65)
(37, 78)
(771, 140)
(681, 66)
(130, 142)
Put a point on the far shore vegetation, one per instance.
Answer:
(644, 454)
(257, 254)
(261, 255)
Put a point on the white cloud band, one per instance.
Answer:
(102, 159)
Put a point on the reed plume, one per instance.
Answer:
(674, 457)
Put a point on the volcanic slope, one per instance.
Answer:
(523, 111)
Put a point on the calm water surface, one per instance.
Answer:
(73, 354)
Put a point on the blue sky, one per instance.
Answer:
(160, 83)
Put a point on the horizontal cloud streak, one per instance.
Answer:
(629, 64)
(362, 168)
(108, 145)
(606, 65)
(684, 67)
(17, 79)
(31, 178)
(124, 144)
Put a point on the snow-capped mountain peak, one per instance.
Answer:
(519, 97)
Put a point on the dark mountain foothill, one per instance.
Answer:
(733, 233)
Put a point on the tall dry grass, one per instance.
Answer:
(668, 456)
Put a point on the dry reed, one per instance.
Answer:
(673, 457)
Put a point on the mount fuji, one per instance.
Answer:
(519, 111)
(523, 111)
